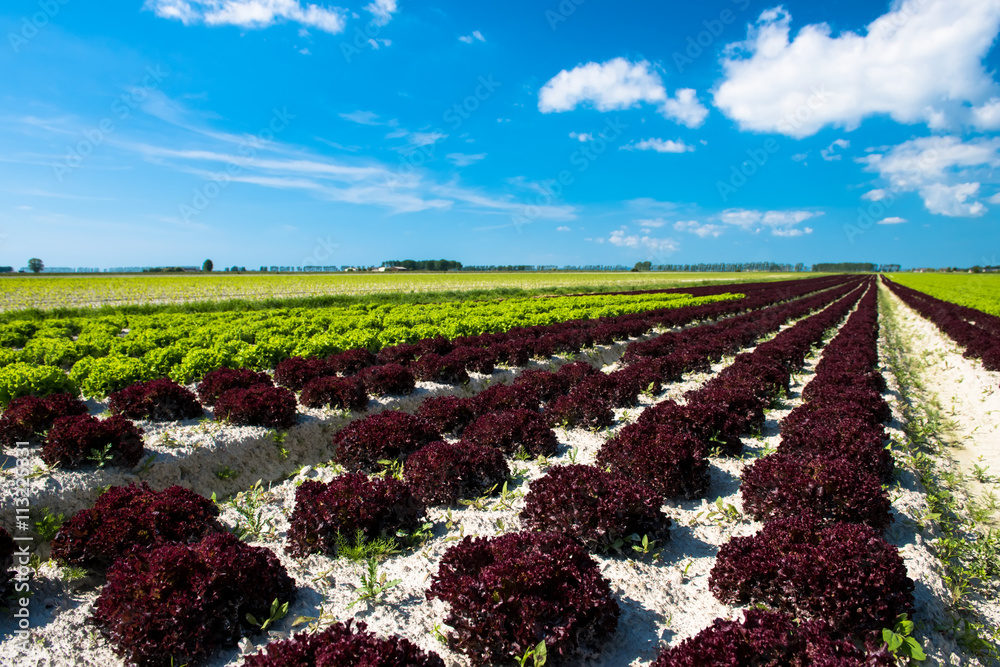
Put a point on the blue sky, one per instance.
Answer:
(576, 132)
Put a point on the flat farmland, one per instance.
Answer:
(52, 292)
(632, 474)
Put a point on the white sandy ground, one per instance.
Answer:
(663, 598)
(970, 395)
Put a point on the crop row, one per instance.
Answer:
(820, 557)
(86, 440)
(46, 293)
(250, 398)
(975, 330)
(106, 354)
(477, 572)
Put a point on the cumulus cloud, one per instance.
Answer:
(943, 170)
(894, 220)
(921, 62)
(704, 230)
(876, 195)
(659, 145)
(830, 152)
(779, 223)
(562, 229)
(381, 10)
(619, 84)
(475, 36)
(581, 136)
(622, 239)
(250, 13)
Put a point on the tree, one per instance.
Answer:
(207, 266)
(35, 265)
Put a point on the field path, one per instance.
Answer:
(969, 394)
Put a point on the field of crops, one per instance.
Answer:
(48, 292)
(976, 290)
(660, 479)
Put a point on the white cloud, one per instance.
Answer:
(581, 136)
(562, 229)
(920, 62)
(426, 138)
(800, 157)
(475, 36)
(741, 218)
(995, 199)
(780, 223)
(465, 159)
(953, 200)
(250, 13)
(381, 10)
(792, 232)
(362, 118)
(622, 239)
(894, 220)
(659, 145)
(830, 152)
(876, 195)
(987, 116)
(702, 230)
(652, 222)
(618, 84)
(943, 170)
(685, 108)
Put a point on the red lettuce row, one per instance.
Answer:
(825, 488)
(128, 517)
(976, 331)
(259, 405)
(218, 382)
(844, 574)
(441, 473)
(600, 510)
(384, 436)
(77, 439)
(27, 418)
(672, 463)
(327, 515)
(334, 392)
(512, 431)
(340, 645)
(192, 599)
(156, 400)
(508, 593)
(769, 639)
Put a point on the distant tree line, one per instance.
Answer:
(425, 264)
(845, 267)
